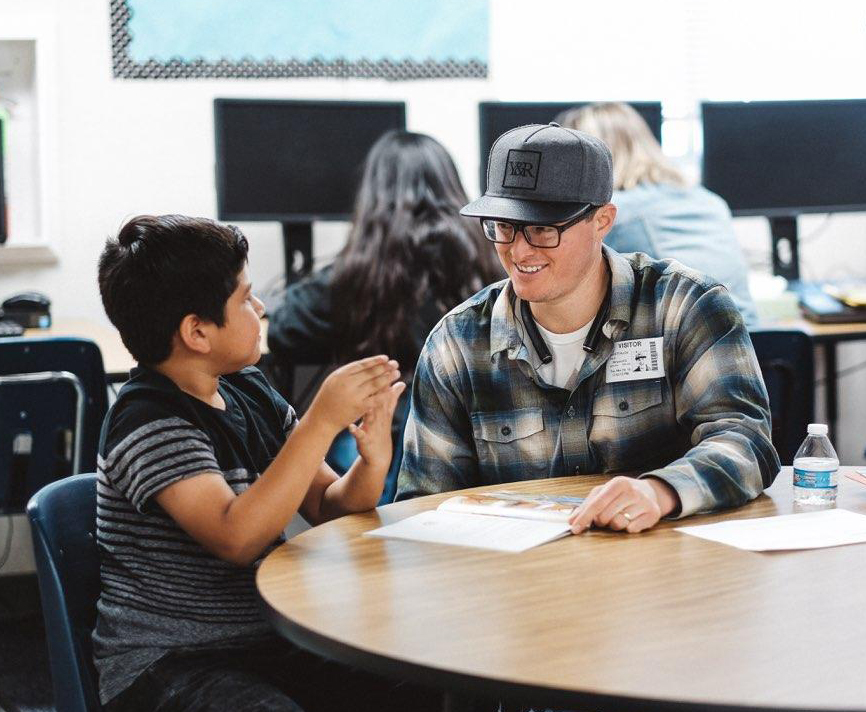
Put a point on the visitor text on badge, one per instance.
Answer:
(635, 360)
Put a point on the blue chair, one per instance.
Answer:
(53, 399)
(787, 362)
(63, 525)
(344, 451)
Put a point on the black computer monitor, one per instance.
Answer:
(295, 162)
(497, 117)
(783, 158)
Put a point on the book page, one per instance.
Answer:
(544, 507)
(461, 529)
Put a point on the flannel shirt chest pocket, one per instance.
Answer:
(512, 438)
(630, 421)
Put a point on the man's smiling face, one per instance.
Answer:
(545, 275)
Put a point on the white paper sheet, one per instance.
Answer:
(807, 530)
(478, 530)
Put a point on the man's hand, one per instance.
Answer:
(625, 503)
(373, 435)
(352, 390)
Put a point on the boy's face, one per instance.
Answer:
(238, 342)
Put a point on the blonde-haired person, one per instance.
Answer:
(658, 212)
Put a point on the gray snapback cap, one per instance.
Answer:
(544, 173)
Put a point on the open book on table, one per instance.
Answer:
(504, 521)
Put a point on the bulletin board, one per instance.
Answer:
(253, 39)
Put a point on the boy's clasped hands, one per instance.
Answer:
(367, 389)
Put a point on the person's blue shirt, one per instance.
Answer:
(689, 224)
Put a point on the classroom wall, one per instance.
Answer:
(123, 147)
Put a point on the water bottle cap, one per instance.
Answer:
(817, 429)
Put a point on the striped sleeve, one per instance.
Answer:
(155, 455)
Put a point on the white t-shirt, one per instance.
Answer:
(568, 355)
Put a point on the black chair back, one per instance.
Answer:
(63, 526)
(787, 362)
(38, 419)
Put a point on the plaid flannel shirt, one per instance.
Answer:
(481, 415)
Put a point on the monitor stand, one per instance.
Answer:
(3, 225)
(783, 231)
(297, 249)
(298, 258)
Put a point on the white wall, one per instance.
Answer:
(123, 147)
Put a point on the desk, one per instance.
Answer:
(827, 336)
(117, 360)
(604, 621)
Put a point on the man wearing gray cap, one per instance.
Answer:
(585, 360)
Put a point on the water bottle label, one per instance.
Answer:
(815, 479)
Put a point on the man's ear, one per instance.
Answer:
(604, 219)
(194, 334)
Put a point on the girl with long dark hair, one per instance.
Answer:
(410, 257)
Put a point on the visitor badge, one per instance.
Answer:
(635, 360)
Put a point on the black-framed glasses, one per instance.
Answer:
(544, 236)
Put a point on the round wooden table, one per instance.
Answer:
(601, 621)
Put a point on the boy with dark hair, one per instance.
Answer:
(202, 465)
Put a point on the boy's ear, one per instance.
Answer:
(194, 334)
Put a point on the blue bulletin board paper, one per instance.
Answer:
(332, 37)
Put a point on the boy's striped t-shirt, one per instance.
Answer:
(161, 590)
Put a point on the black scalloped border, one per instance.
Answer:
(125, 67)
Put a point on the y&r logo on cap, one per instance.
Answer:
(521, 169)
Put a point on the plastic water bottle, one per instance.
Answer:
(815, 469)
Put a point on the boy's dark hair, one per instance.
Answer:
(160, 268)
